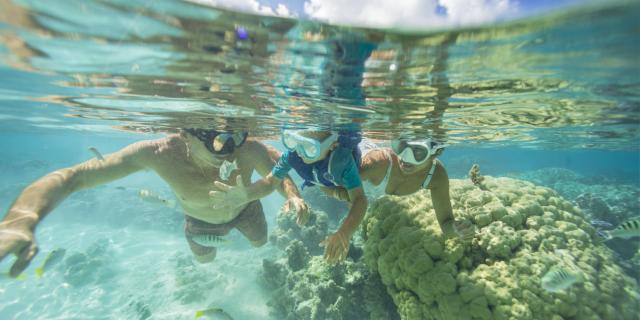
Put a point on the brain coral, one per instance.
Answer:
(523, 230)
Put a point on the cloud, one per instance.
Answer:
(282, 10)
(409, 13)
(248, 6)
(465, 12)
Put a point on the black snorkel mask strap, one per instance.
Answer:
(206, 136)
(235, 140)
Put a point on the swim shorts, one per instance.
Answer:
(250, 222)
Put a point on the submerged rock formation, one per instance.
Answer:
(522, 229)
(321, 291)
(303, 286)
(311, 234)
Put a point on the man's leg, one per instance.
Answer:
(201, 253)
(194, 227)
(253, 225)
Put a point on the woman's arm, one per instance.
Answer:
(442, 205)
(440, 195)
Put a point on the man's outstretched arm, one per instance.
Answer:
(42, 196)
(267, 157)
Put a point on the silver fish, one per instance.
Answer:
(626, 230)
(213, 313)
(601, 223)
(208, 240)
(151, 197)
(96, 153)
(51, 260)
(558, 279)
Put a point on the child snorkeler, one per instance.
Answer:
(323, 158)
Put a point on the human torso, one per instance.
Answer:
(192, 180)
(377, 186)
(401, 184)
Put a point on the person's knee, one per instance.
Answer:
(259, 243)
(206, 258)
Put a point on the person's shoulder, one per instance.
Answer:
(171, 144)
(168, 144)
(251, 148)
(252, 144)
(377, 157)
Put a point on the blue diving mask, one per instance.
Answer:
(415, 152)
(308, 148)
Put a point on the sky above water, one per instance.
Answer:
(400, 13)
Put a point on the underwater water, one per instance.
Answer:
(552, 100)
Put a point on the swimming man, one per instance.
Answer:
(189, 162)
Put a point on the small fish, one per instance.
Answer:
(151, 197)
(96, 153)
(601, 223)
(226, 169)
(208, 240)
(51, 260)
(5, 275)
(558, 279)
(626, 230)
(213, 313)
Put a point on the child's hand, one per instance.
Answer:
(299, 207)
(336, 247)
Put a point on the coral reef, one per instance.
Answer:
(310, 234)
(335, 209)
(303, 286)
(600, 198)
(604, 201)
(476, 178)
(522, 227)
(322, 291)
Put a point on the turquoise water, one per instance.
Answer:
(553, 100)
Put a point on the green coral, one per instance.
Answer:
(522, 230)
(311, 234)
(306, 287)
(322, 291)
(297, 255)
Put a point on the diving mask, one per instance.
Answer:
(415, 152)
(219, 143)
(308, 148)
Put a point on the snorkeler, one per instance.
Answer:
(189, 162)
(405, 168)
(324, 158)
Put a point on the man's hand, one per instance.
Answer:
(17, 239)
(229, 197)
(336, 247)
(299, 207)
